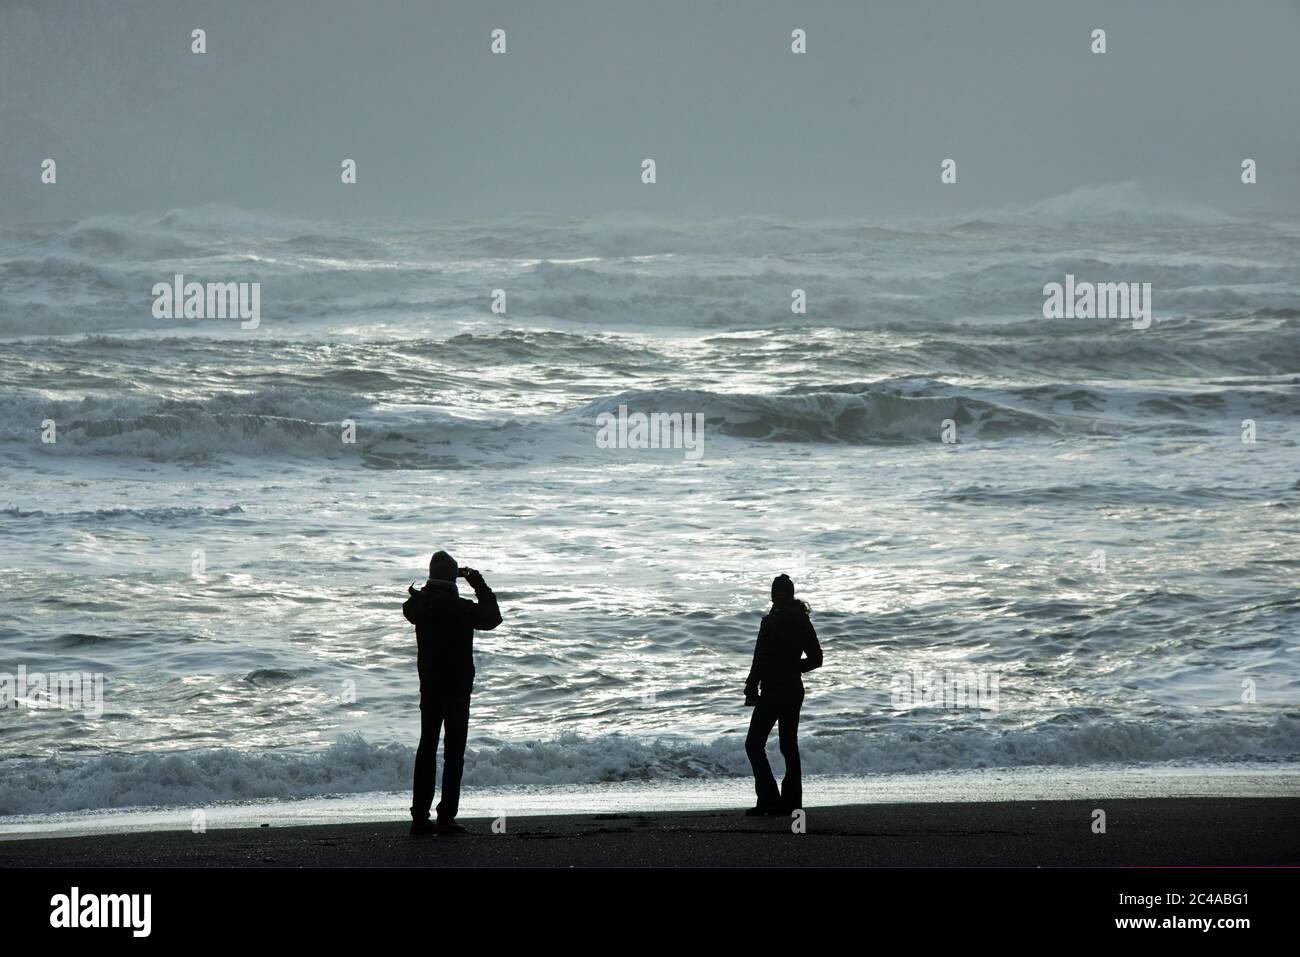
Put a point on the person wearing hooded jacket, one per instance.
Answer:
(786, 648)
(444, 633)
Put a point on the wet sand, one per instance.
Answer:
(1151, 831)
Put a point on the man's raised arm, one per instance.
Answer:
(486, 613)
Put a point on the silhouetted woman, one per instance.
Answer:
(775, 689)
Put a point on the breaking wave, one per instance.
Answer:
(353, 765)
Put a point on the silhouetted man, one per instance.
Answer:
(775, 689)
(444, 631)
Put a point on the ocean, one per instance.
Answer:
(1095, 525)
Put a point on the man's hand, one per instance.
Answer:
(474, 578)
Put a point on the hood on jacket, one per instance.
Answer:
(438, 589)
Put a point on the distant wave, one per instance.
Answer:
(861, 418)
(1087, 494)
(533, 346)
(152, 516)
(291, 423)
(298, 422)
(1110, 203)
(268, 423)
(632, 272)
(1106, 408)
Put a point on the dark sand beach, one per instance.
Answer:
(1139, 832)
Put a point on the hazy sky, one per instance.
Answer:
(737, 124)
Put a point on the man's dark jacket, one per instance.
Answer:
(444, 632)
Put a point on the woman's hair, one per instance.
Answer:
(792, 603)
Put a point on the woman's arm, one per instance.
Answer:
(759, 665)
(812, 649)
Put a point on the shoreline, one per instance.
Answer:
(1139, 832)
(988, 785)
